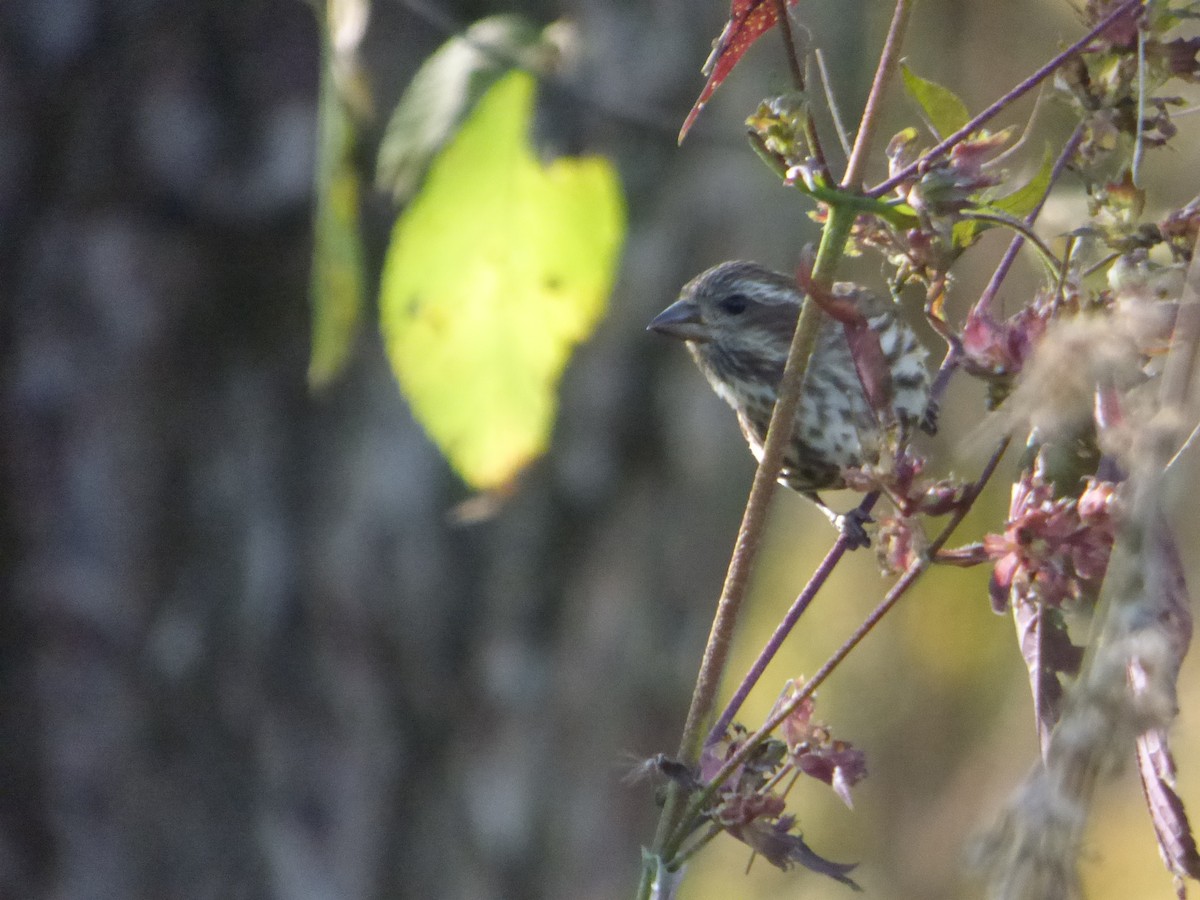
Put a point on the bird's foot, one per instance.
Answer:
(929, 419)
(852, 527)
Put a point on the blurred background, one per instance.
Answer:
(245, 652)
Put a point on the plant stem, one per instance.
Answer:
(883, 75)
(789, 44)
(799, 605)
(810, 127)
(1023, 230)
(831, 102)
(1139, 144)
(716, 652)
(702, 798)
(1004, 102)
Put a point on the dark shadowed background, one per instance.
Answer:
(244, 651)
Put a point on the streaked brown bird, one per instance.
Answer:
(738, 319)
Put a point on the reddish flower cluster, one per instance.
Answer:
(938, 193)
(901, 542)
(898, 475)
(999, 350)
(748, 807)
(1180, 229)
(915, 253)
(813, 750)
(950, 183)
(1052, 548)
(901, 538)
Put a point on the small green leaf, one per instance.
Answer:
(1019, 203)
(337, 267)
(966, 232)
(446, 89)
(495, 271)
(942, 107)
(1022, 201)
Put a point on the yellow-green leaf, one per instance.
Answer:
(942, 107)
(498, 267)
(1018, 203)
(1022, 201)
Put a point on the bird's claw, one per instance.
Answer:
(852, 527)
(929, 418)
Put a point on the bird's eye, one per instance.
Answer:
(734, 304)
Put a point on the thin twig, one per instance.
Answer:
(883, 75)
(810, 127)
(789, 45)
(700, 843)
(917, 568)
(1004, 102)
(1026, 132)
(1095, 267)
(984, 302)
(831, 101)
(1139, 141)
(784, 628)
(1053, 263)
(950, 364)
(1060, 286)
(1183, 448)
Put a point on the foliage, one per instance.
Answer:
(446, 89)
(498, 265)
(481, 310)
(748, 20)
(1093, 374)
(944, 112)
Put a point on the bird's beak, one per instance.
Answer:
(682, 319)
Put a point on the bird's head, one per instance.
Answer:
(734, 315)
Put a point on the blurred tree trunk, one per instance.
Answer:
(244, 652)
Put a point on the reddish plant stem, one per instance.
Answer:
(1011, 97)
(946, 370)
(789, 44)
(701, 799)
(883, 76)
(983, 304)
(799, 605)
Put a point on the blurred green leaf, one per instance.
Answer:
(942, 107)
(447, 87)
(1019, 203)
(495, 271)
(337, 268)
(1022, 201)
